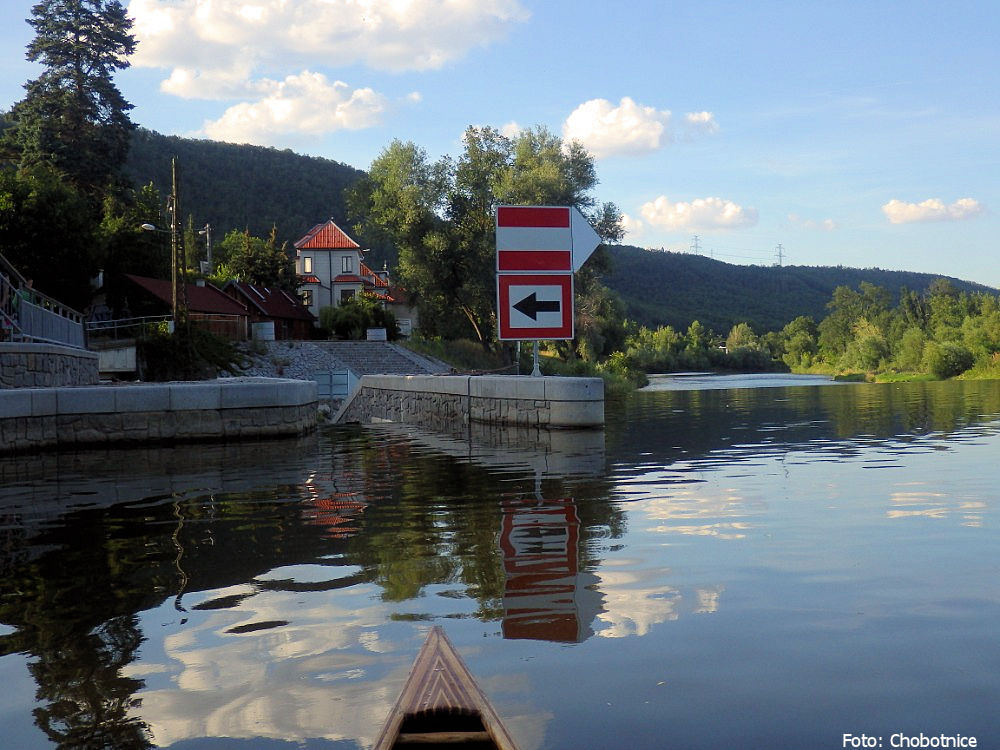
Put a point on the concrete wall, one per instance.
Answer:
(45, 366)
(225, 409)
(442, 401)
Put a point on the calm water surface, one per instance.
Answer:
(720, 567)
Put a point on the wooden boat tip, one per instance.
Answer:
(441, 704)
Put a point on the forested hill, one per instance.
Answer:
(243, 187)
(664, 288)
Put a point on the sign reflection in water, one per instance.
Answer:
(721, 560)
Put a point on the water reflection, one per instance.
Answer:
(279, 590)
(546, 596)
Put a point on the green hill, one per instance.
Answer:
(243, 187)
(665, 288)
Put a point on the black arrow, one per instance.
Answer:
(531, 306)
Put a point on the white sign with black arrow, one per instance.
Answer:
(536, 306)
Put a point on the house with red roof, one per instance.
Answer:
(331, 268)
(270, 305)
(207, 305)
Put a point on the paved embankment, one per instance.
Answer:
(224, 409)
(305, 359)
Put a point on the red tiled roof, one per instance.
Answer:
(200, 299)
(326, 236)
(273, 303)
(310, 279)
(348, 278)
(385, 297)
(378, 280)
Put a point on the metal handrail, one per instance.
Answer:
(10, 330)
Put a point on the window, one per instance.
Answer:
(307, 297)
(346, 295)
(348, 264)
(307, 264)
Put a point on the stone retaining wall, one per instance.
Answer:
(46, 366)
(441, 402)
(228, 409)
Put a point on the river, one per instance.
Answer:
(743, 562)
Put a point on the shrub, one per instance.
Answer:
(947, 359)
(190, 353)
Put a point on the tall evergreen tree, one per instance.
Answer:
(73, 117)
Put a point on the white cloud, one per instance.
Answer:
(607, 130)
(633, 227)
(932, 209)
(701, 122)
(822, 225)
(511, 129)
(301, 104)
(701, 214)
(207, 41)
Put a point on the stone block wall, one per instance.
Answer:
(40, 418)
(46, 366)
(442, 402)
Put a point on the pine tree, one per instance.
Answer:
(74, 118)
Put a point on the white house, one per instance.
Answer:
(332, 270)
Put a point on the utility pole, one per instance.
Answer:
(781, 254)
(695, 246)
(178, 294)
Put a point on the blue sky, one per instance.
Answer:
(861, 134)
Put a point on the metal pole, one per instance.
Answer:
(536, 372)
(173, 240)
(208, 245)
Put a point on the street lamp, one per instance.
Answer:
(206, 231)
(176, 298)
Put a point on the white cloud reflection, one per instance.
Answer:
(273, 682)
(914, 503)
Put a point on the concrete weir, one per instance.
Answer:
(443, 401)
(223, 409)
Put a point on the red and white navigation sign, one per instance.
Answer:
(554, 239)
(538, 249)
(535, 306)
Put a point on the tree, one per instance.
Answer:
(126, 248)
(847, 307)
(73, 117)
(47, 232)
(798, 342)
(257, 261)
(741, 336)
(441, 217)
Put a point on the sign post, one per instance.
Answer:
(538, 250)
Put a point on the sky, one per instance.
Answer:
(862, 134)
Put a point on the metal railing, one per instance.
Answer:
(232, 327)
(333, 384)
(125, 328)
(30, 316)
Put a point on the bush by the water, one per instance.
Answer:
(190, 353)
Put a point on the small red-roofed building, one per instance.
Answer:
(207, 305)
(264, 304)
